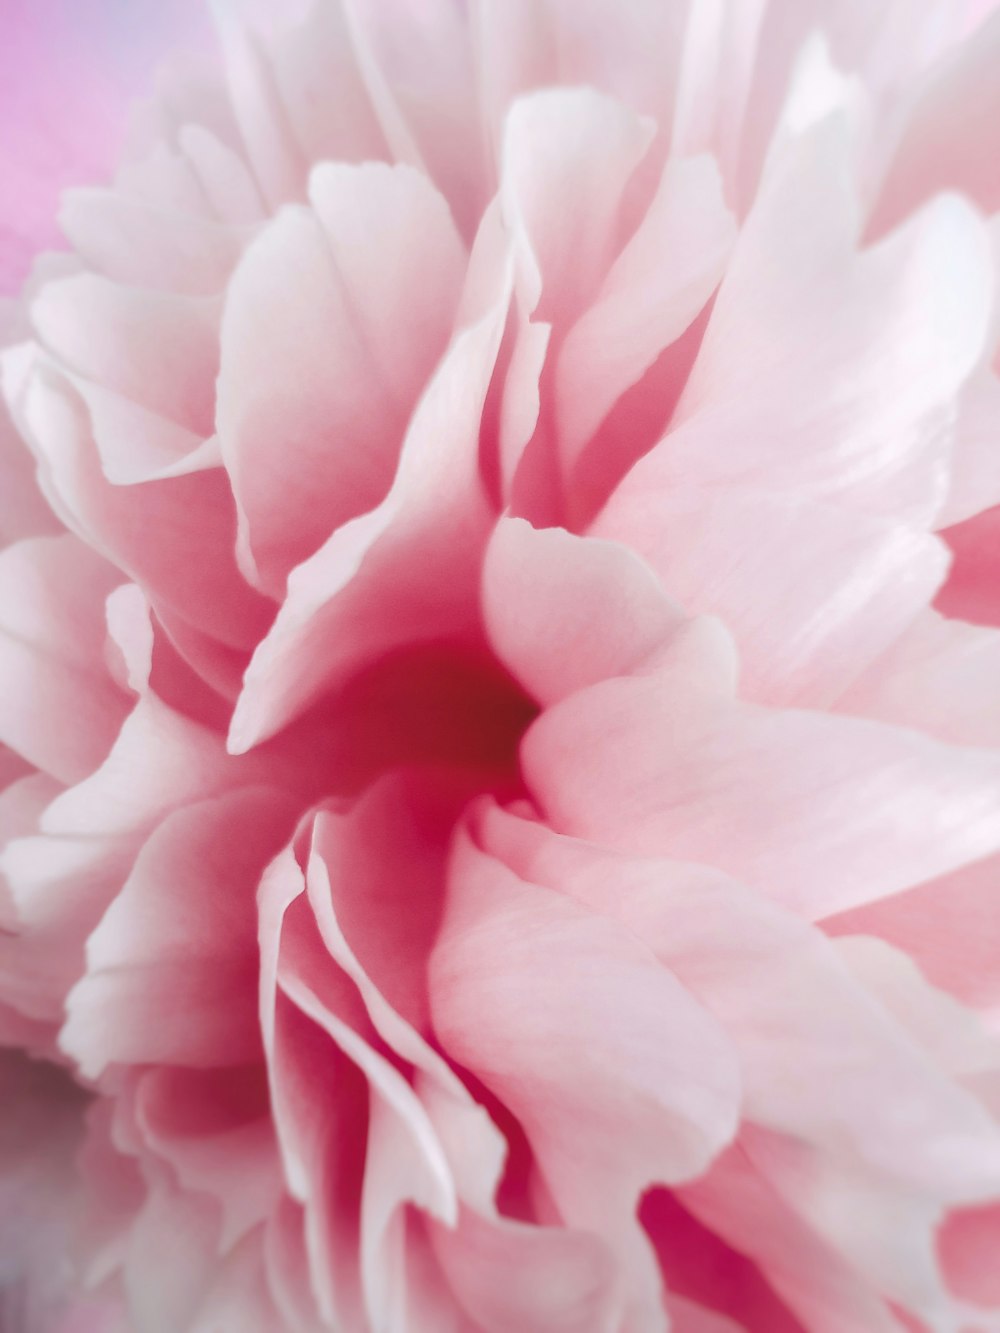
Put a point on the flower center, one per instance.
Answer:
(442, 704)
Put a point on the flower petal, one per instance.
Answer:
(171, 969)
(333, 321)
(403, 573)
(819, 813)
(652, 293)
(563, 1014)
(564, 612)
(61, 710)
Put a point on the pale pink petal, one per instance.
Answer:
(131, 638)
(171, 1262)
(950, 139)
(136, 445)
(567, 153)
(482, 1245)
(355, 116)
(22, 800)
(170, 535)
(300, 94)
(327, 341)
(509, 1277)
(783, 994)
(377, 888)
(870, 449)
(172, 968)
(222, 175)
(395, 1176)
(213, 1127)
(652, 293)
(521, 395)
(59, 887)
(546, 592)
(949, 927)
(882, 1227)
(144, 245)
(114, 1189)
(61, 708)
(717, 64)
(562, 150)
(159, 350)
(23, 511)
(281, 884)
(275, 159)
(141, 659)
(330, 997)
(525, 45)
(818, 813)
(828, 371)
(286, 1261)
(21, 804)
(737, 1203)
(884, 47)
(564, 1018)
(125, 795)
(164, 179)
(804, 627)
(953, 1035)
(430, 1305)
(403, 1159)
(319, 1101)
(239, 1296)
(899, 1143)
(424, 54)
(940, 676)
(633, 426)
(400, 574)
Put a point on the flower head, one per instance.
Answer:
(498, 645)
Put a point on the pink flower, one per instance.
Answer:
(498, 634)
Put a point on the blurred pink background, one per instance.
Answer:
(69, 69)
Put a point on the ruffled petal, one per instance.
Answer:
(562, 1015)
(171, 969)
(545, 592)
(403, 573)
(656, 286)
(172, 535)
(819, 813)
(334, 320)
(52, 632)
